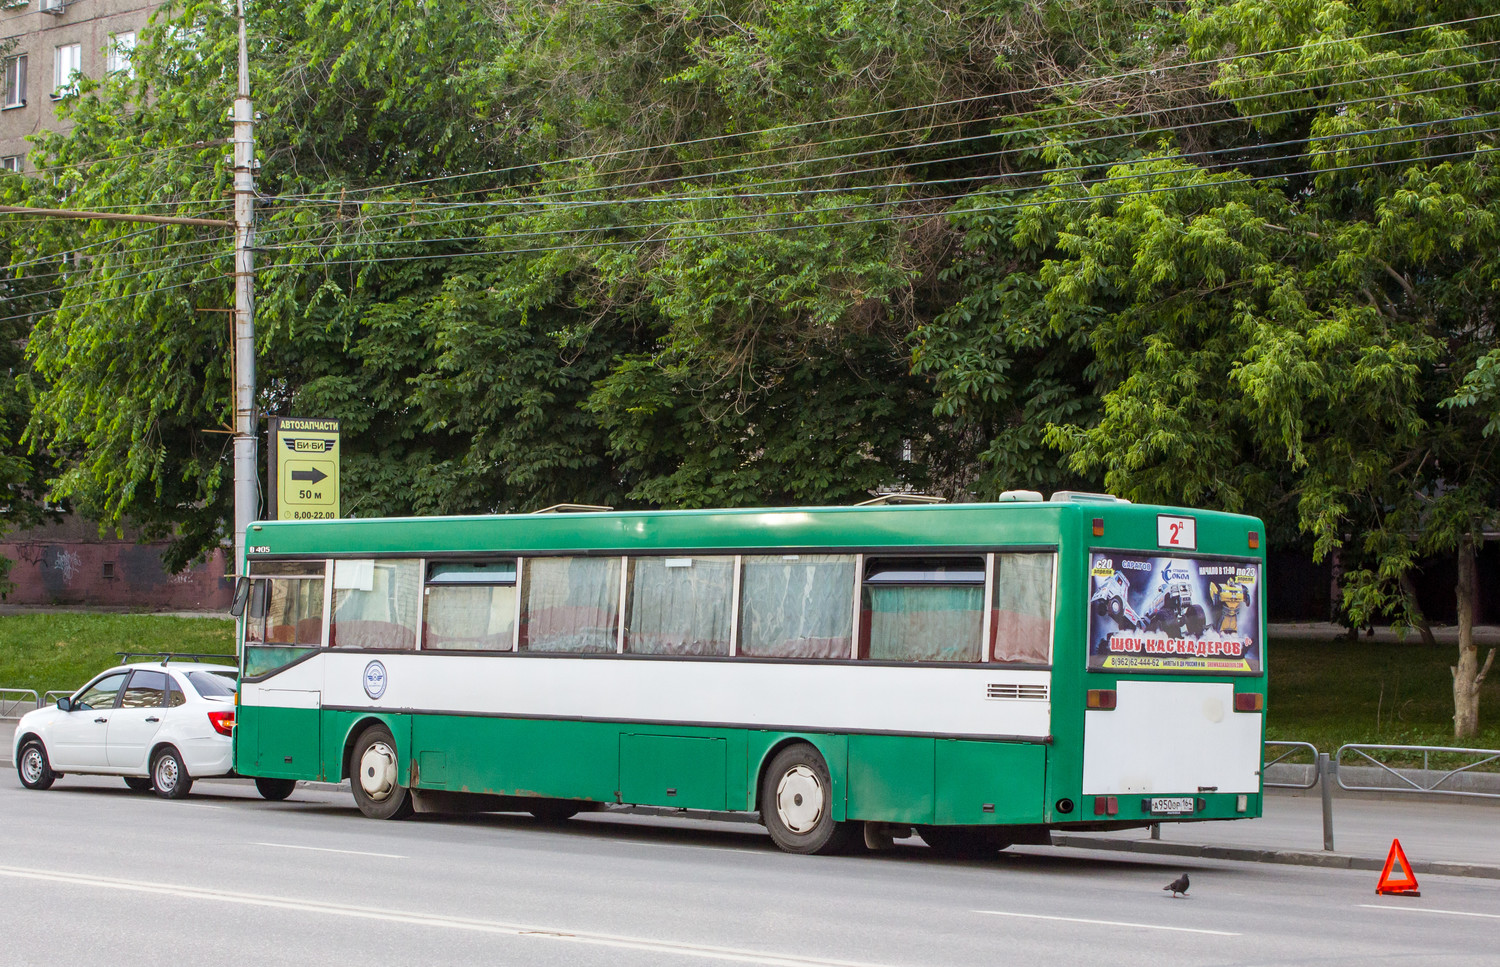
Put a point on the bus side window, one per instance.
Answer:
(1022, 615)
(922, 609)
(796, 606)
(679, 606)
(375, 604)
(470, 606)
(570, 605)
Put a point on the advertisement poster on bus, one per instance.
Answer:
(1150, 613)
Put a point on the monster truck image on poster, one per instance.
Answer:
(1174, 614)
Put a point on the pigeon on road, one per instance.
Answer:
(1178, 885)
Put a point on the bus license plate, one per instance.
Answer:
(1172, 805)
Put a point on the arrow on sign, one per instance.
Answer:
(311, 476)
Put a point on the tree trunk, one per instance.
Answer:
(1414, 610)
(1467, 674)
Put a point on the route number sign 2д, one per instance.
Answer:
(1177, 532)
(304, 468)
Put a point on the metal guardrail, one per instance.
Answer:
(1292, 748)
(51, 697)
(16, 702)
(1433, 779)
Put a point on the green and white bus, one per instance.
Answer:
(981, 673)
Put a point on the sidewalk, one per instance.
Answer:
(1448, 837)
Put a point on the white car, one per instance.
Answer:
(159, 725)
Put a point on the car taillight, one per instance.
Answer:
(223, 722)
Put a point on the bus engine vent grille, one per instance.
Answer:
(1016, 690)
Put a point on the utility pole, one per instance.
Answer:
(246, 489)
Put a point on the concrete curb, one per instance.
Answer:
(1249, 854)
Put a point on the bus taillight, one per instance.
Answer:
(1249, 701)
(223, 722)
(1102, 698)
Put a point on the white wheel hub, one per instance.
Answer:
(377, 771)
(166, 773)
(31, 764)
(799, 799)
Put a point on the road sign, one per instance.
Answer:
(1397, 879)
(304, 468)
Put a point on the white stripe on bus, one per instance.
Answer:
(706, 951)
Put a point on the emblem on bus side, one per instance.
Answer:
(374, 679)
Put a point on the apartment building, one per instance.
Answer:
(44, 46)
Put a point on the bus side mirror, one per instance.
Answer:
(241, 595)
(65, 704)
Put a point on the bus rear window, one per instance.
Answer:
(1150, 613)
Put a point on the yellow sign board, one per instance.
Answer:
(305, 468)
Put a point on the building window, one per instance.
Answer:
(121, 50)
(68, 63)
(15, 81)
(53, 6)
(11, 163)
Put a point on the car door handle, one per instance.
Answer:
(101, 720)
(153, 718)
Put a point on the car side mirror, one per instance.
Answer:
(65, 704)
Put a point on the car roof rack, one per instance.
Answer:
(167, 656)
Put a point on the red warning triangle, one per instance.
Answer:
(1397, 879)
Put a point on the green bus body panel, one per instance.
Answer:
(673, 770)
(520, 757)
(1008, 778)
(339, 730)
(283, 741)
(891, 778)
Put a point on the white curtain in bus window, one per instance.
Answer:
(797, 606)
(470, 607)
(374, 604)
(679, 606)
(929, 609)
(570, 604)
(1023, 608)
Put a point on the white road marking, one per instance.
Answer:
(325, 849)
(706, 951)
(1446, 913)
(1108, 923)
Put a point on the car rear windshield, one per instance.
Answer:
(213, 684)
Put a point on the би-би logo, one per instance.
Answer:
(374, 679)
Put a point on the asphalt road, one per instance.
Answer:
(91, 873)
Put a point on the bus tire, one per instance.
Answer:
(169, 777)
(555, 810)
(32, 765)
(964, 842)
(274, 790)
(796, 803)
(373, 773)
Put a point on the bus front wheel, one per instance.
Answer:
(796, 803)
(373, 776)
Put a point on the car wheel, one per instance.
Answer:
(274, 790)
(373, 772)
(1116, 607)
(138, 783)
(169, 777)
(965, 842)
(35, 771)
(796, 803)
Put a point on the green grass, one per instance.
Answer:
(1331, 693)
(63, 650)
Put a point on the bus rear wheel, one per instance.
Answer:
(965, 842)
(373, 774)
(796, 803)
